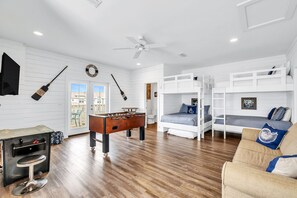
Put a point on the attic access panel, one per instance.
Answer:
(258, 13)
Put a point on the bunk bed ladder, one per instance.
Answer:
(200, 112)
(219, 95)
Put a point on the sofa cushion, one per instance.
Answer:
(254, 154)
(270, 137)
(289, 143)
(284, 165)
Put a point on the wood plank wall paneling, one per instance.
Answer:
(163, 166)
(38, 67)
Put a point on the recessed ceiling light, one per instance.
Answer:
(233, 40)
(37, 33)
(138, 64)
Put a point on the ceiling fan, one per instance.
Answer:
(140, 45)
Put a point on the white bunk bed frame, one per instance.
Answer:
(185, 84)
(253, 77)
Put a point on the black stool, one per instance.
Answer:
(31, 185)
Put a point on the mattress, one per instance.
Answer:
(253, 122)
(184, 118)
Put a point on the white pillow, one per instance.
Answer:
(284, 165)
(288, 114)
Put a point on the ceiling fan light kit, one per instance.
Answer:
(140, 45)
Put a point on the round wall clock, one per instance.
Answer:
(92, 70)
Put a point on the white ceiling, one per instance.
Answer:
(199, 28)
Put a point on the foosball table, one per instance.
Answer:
(108, 123)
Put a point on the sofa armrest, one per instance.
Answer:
(250, 134)
(257, 183)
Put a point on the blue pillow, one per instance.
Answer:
(206, 109)
(284, 165)
(279, 114)
(271, 113)
(192, 109)
(184, 108)
(270, 137)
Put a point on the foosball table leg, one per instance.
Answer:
(105, 144)
(128, 133)
(141, 134)
(92, 141)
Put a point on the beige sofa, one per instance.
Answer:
(246, 177)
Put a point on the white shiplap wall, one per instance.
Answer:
(292, 57)
(38, 68)
(266, 101)
(140, 77)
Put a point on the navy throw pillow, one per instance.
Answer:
(271, 72)
(270, 137)
(183, 108)
(279, 114)
(192, 109)
(271, 113)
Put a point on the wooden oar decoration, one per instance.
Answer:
(122, 93)
(40, 92)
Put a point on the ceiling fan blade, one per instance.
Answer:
(96, 3)
(133, 40)
(123, 48)
(153, 46)
(137, 54)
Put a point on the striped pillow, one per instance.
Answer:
(279, 114)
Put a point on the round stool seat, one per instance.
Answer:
(31, 185)
(31, 160)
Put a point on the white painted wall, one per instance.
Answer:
(38, 67)
(140, 78)
(266, 101)
(292, 57)
(170, 70)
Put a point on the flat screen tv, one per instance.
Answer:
(9, 77)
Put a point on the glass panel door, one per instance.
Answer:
(99, 99)
(85, 98)
(78, 105)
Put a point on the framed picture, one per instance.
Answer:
(194, 101)
(249, 103)
(148, 91)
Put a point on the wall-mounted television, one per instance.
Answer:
(9, 77)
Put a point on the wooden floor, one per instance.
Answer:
(162, 166)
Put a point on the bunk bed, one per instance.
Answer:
(270, 80)
(180, 123)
